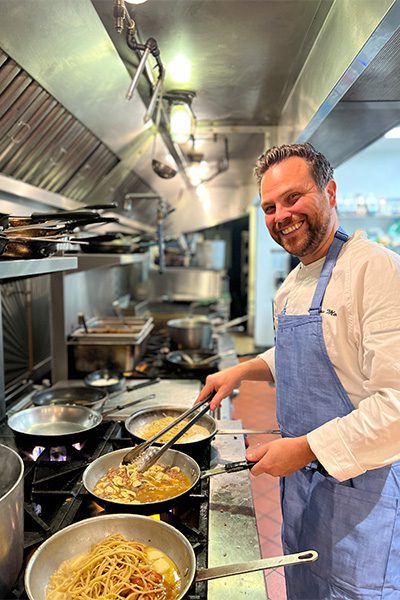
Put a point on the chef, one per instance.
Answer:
(336, 366)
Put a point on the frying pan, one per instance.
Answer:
(83, 396)
(172, 458)
(63, 423)
(80, 537)
(54, 423)
(141, 418)
(91, 379)
(176, 358)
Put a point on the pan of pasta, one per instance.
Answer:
(145, 423)
(112, 556)
(127, 557)
(121, 488)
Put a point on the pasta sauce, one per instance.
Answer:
(119, 569)
(125, 484)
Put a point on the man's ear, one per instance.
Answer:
(330, 189)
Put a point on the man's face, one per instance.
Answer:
(299, 216)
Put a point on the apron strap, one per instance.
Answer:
(340, 238)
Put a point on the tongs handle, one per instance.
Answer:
(154, 458)
(182, 417)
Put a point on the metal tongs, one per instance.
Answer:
(145, 455)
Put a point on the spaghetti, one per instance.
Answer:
(194, 434)
(116, 569)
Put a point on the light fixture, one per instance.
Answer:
(135, 1)
(182, 119)
(179, 69)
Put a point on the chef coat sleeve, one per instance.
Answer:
(269, 357)
(369, 436)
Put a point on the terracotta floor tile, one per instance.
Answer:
(255, 407)
(275, 585)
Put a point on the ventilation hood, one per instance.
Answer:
(264, 72)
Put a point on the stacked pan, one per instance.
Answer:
(38, 235)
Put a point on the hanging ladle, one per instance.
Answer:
(161, 169)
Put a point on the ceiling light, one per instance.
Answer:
(135, 1)
(182, 119)
(179, 69)
(393, 133)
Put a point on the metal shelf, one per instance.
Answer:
(38, 266)
(96, 261)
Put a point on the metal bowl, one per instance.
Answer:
(99, 467)
(80, 537)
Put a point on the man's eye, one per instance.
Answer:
(268, 210)
(293, 197)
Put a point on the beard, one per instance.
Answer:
(309, 240)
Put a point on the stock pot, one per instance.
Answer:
(11, 518)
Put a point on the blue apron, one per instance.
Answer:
(354, 525)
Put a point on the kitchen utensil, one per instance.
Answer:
(67, 423)
(81, 536)
(138, 386)
(171, 458)
(134, 454)
(192, 360)
(161, 169)
(83, 396)
(141, 418)
(151, 455)
(43, 425)
(112, 381)
(11, 518)
(228, 468)
(82, 322)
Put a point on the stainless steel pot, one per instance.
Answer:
(80, 537)
(11, 518)
(195, 333)
(191, 333)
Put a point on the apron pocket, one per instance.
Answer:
(352, 530)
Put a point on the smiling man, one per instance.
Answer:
(336, 365)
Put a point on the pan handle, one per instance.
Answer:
(256, 565)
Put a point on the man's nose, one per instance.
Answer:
(282, 213)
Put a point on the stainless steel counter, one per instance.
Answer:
(233, 533)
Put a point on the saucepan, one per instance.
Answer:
(195, 333)
(135, 423)
(79, 537)
(54, 424)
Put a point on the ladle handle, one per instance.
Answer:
(256, 565)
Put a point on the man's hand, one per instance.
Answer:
(281, 457)
(223, 383)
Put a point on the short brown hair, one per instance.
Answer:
(321, 169)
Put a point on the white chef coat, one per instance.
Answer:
(361, 327)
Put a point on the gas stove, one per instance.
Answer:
(218, 517)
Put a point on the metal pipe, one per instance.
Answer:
(153, 100)
(138, 73)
